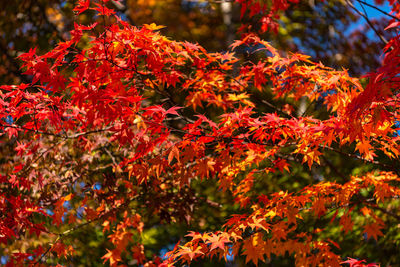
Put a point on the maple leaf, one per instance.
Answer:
(254, 249)
(373, 230)
(394, 24)
(173, 111)
(153, 26)
(103, 10)
(21, 148)
(138, 253)
(195, 235)
(205, 119)
(311, 156)
(319, 207)
(174, 153)
(82, 6)
(358, 263)
(364, 147)
(62, 250)
(365, 211)
(346, 222)
(281, 164)
(204, 167)
(189, 253)
(217, 241)
(114, 256)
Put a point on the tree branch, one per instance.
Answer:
(380, 36)
(378, 9)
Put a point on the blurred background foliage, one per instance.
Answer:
(329, 31)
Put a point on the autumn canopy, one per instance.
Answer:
(150, 151)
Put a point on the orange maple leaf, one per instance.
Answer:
(254, 248)
(114, 256)
(373, 230)
(188, 253)
(346, 222)
(218, 241)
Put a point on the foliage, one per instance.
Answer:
(41, 24)
(124, 139)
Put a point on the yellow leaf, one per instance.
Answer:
(153, 26)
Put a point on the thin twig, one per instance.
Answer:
(378, 9)
(383, 39)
